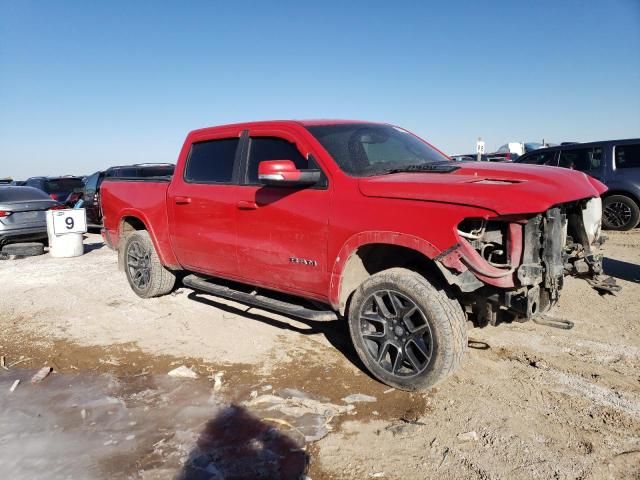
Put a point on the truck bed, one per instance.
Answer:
(140, 198)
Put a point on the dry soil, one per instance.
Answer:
(529, 401)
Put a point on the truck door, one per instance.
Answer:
(92, 198)
(201, 202)
(282, 232)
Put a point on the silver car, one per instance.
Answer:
(22, 214)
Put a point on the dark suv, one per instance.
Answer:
(63, 189)
(616, 163)
(91, 190)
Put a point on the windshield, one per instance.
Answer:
(63, 185)
(363, 149)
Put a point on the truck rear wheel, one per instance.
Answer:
(408, 333)
(146, 275)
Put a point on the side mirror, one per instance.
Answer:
(283, 173)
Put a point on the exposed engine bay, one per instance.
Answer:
(525, 260)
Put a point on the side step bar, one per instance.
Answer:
(260, 301)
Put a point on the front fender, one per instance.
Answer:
(373, 237)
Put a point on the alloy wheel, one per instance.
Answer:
(396, 333)
(617, 214)
(139, 265)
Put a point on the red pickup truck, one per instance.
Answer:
(362, 221)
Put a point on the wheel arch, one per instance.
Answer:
(132, 221)
(624, 193)
(367, 253)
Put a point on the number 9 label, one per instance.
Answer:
(69, 221)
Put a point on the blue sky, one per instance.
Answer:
(85, 85)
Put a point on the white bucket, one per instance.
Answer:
(65, 229)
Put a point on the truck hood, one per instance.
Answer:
(503, 188)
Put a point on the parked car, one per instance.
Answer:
(367, 219)
(91, 188)
(464, 158)
(22, 214)
(6, 181)
(19, 183)
(63, 189)
(616, 163)
(473, 157)
(509, 152)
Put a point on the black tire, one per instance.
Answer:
(620, 212)
(24, 249)
(423, 357)
(146, 275)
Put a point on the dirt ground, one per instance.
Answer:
(529, 401)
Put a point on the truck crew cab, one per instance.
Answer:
(361, 221)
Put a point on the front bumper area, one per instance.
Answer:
(541, 251)
(539, 278)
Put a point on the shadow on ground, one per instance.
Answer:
(336, 331)
(237, 445)
(621, 269)
(90, 247)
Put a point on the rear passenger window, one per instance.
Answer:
(627, 156)
(583, 159)
(271, 148)
(212, 161)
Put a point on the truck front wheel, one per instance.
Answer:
(147, 276)
(408, 333)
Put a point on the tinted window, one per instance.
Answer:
(156, 171)
(370, 149)
(212, 161)
(270, 148)
(21, 194)
(583, 159)
(139, 171)
(123, 172)
(628, 156)
(540, 158)
(91, 183)
(62, 185)
(380, 152)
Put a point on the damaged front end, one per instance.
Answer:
(513, 268)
